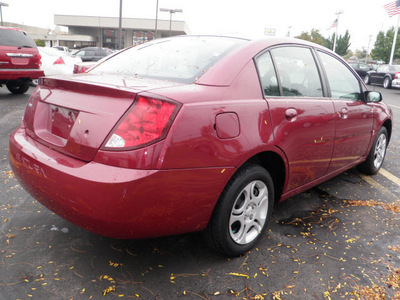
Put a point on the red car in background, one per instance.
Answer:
(82, 67)
(19, 60)
(196, 133)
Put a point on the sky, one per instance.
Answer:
(363, 18)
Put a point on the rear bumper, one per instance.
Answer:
(14, 74)
(117, 202)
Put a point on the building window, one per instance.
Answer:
(110, 38)
(140, 37)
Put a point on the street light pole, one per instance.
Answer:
(120, 26)
(1, 13)
(171, 11)
(155, 30)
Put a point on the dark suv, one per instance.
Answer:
(93, 53)
(19, 60)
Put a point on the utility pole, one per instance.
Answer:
(369, 43)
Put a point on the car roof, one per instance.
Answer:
(12, 28)
(239, 57)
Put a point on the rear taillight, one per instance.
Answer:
(39, 60)
(59, 61)
(147, 122)
(397, 75)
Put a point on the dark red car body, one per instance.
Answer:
(171, 186)
(19, 59)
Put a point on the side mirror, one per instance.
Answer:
(371, 96)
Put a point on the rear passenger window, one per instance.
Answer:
(297, 71)
(342, 82)
(267, 75)
(90, 53)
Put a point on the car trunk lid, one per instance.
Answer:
(75, 116)
(15, 58)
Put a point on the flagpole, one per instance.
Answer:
(337, 25)
(394, 40)
(334, 41)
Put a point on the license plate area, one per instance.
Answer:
(62, 121)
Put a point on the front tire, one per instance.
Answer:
(241, 215)
(377, 154)
(387, 83)
(367, 79)
(18, 87)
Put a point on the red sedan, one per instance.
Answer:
(196, 133)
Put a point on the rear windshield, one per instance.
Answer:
(181, 59)
(9, 37)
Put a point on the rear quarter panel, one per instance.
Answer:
(194, 142)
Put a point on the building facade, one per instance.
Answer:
(86, 31)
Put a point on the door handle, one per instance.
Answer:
(291, 114)
(344, 113)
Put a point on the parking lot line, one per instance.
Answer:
(378, 186)
(390, 176)
(391, 105)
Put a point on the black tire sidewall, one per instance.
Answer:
(366, 79)
(18, 87)
(368, 166)
(386, 86)
(220, 228)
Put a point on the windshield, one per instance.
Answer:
(181, 59)
(9, 37)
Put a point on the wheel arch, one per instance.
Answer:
(275, 165)
(388, 125)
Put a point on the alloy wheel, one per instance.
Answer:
(249, 213)
(380, 150)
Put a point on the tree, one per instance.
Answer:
(314, 37)
(348, 55)
(40, 43)
(383, 46)
(342, 43)
(361, 53)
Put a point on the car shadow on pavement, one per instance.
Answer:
(321, 242)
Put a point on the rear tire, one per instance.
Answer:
(376, 155)
(241, 215)
(18, 87)
(387, 83)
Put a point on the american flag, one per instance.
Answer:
(393, 8)
(334, 24)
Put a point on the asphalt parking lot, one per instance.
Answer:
(339, 240)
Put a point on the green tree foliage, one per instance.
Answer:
(342, 43)
(40, 43)
(348, 55)
(314, 37)
(383, 46)
(361, 53)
